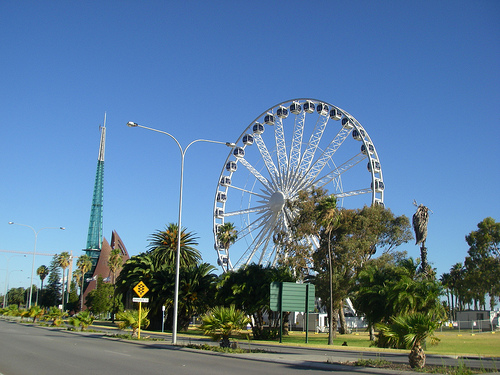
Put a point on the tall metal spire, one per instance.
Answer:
(94, 237)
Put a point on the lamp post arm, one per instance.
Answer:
(179, 222)
(34, 253)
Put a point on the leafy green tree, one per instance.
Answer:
(196, 288)
(483, 262)
(99, 300)
(115, 263)
(52, 293)
(163, 247)
(130, 319)
(16, 296)
(220, 322)
(248, 288)
(35, 312)
(410, 331)
(356, 237)
(56, 315)
(83, 320)
(386, 290)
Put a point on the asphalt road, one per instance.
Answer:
(31, 349)
(27, 349)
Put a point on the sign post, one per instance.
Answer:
(140, 289)
(285, 296)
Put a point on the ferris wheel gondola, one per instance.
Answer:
(292, 146)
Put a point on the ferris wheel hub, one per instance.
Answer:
(277, 201)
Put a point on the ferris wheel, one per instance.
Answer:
(293, 146)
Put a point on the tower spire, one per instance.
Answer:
(94, 236)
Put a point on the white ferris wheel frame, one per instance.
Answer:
(294, 168)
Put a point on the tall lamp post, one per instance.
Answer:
(34, 252)
(7, 276)
(179, 225)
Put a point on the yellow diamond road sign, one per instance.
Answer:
(141, 289)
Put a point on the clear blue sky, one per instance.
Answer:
(421, 76)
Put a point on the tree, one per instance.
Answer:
(99, 300)
(227, 235)
(485, 242)
(196, 287)
(64, 259)
(370, 291)
(410, 331)
(347, 239)
(56, 315)
(130, 318)
(83, 319)
(42, 273)
(52, 293)
(115, 263)
(163, 247)
(83, 264)
(483, 261)
(35, 312)
(220, 322)
(248, 288)
(420, 220)
(318, 216)
(16, 296)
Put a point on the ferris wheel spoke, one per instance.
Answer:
(298, 134)
(248, 191)
(294, 156)
(262, 208)
(279, 134)
(321, 182)
(334, 145)
(266, 156)
(265, 228)
(312, 146)
(353, 192)
(256, 173)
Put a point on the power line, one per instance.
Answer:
(25, 252)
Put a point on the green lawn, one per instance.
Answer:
(451, 343)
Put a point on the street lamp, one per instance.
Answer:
(5, 299)
(179, 225)
(7, 275)
(34, 252)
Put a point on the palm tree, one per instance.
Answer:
(55, 315)
(42, 273)
(84, 264)
(222, 321)
(227, 235)
(115, 262)
(63, 260)
(410, 331)
(83, 319)
(35, 312)
(130, 318)
(163, 247)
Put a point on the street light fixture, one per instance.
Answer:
(179, 225)
(5, 298)
(34, 252)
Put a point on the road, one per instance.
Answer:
(30, 349)
(27, 349)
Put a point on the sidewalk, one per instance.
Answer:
(330, 359)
